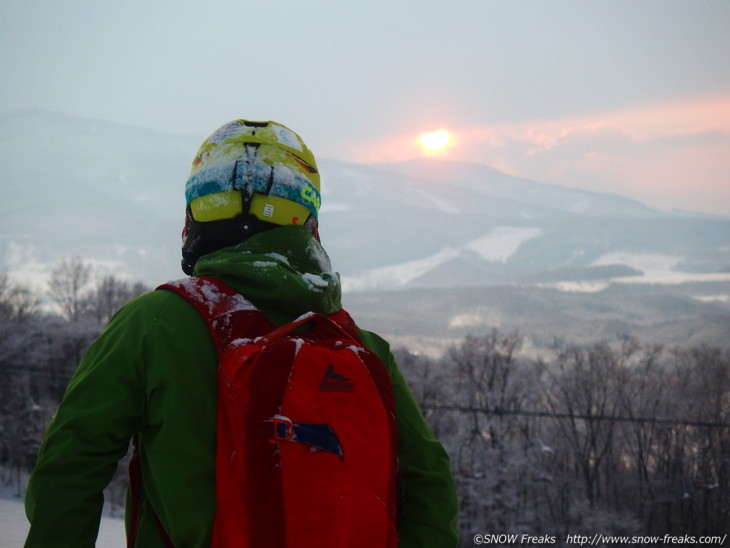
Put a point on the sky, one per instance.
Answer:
(630, 97)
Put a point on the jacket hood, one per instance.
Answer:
(284, 271)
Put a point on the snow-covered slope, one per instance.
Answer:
(14, 527)
(497, 246)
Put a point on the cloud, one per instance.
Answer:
(668, 156)
(672, 155)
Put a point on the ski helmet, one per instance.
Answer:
(247, 177)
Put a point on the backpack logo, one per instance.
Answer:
(334, 382)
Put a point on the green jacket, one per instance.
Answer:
(152, 373)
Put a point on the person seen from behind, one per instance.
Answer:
(252, 198)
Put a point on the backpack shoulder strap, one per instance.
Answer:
(228, 314)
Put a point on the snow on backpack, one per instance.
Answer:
(306, 453)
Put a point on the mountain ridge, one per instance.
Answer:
(406, 238)
(128, 181)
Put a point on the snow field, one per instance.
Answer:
(14, 525)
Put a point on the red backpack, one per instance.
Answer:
(306, 442)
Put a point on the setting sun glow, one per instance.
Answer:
(434, 141)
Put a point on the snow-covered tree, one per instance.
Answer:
(108, 296)
(68, 287)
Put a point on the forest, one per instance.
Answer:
(618, 437)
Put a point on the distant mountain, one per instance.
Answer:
(440, 224)
(104, 192)
(465, 245)
(113, 194)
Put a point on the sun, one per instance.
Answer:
(434, 141)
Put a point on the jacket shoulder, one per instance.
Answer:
(379, 346)
(156, 304)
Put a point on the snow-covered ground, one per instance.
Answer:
(497, 246)
(502, 242)
(14, 525)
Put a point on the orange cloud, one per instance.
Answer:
(674, 155)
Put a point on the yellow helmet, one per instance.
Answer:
(247, 177)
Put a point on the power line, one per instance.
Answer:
(573, 416)
(496, 411)
(38, 371)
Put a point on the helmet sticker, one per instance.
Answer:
(305, 165)
(286, 137)
(310, 194)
